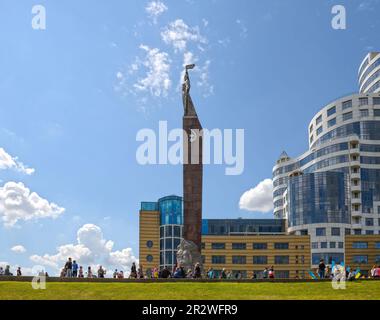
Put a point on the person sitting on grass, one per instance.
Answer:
(179, 273)
(254, 275)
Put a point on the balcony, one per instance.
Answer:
(355, 151)
(356, 201)
(356, 214)
(355, 175)
(357, 226)
(357, 188)
(355, 163)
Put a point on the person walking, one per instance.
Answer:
(69, 268)
(75, 269)
(321, 269)
(197, 271)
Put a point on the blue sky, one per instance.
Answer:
(73, 97)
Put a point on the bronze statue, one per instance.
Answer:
(188, 106)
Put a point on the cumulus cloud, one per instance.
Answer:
(18, 249)
(155, 9)
(258, 198)
(17, 202)
(178, 34)
(157, 78)
(9, 162)
(91, 249)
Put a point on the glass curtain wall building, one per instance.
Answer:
(333, 189)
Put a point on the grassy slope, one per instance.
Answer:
(167, 291)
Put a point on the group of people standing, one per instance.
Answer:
(73, 270)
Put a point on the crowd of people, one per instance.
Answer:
(71, 269)
(326, 272)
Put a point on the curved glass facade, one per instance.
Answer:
(171, 229)
(171, 210)
(318, 198)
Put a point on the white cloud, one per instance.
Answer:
(243, 28)
(178, 34)
(157, 78)
(9, 162)
(91, 249)
(18, 249)
(17, 202)
(258, 198)
(155, 9)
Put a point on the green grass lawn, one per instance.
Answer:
(196, 291)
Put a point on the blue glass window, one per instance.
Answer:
(331, 122)
(239, 260)
(360, 245)
(347, 116)
(218, 246)
(171, 210)
(377, 245)
(281, 259)
(331, 111)
(320, 232)
(239, 246)
(319, 130)
(376, 101)
(259, 246)
(328, 257)
(260, 260)
(335, 231)
(346, 105)
(218, 259)
(376, 112)
(319, 120)
(360, 259)
(364, 113)
(281, 246)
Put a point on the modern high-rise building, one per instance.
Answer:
(333, 189)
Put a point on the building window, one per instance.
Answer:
(335, 232)
(304, 232)
(347, 116)
(218, 259)
(260, 260)
(239, 260)
(346, 105)
(282, 274)
(323, 245)
(311, 128)
(376, 112)
(377, 259)
(347, 231)
(377, 245)
(203, 245)
(364, 113)
(340, 245)
(319, 130)
(369, 232)
(319, 120)
(360, 245)
(259, 246)
(149, 258)
(320, 232)
(360, 259)
(369, 222)
(149, 244)
(314, 245)
(363, 101)
(239, 246)
(311, 139)
(332, 245)
(331, 111)
(281, 246)
(376, 101)
(357, 232)
(218, 246)
(281, 259)
(331, 122)
(177, 231)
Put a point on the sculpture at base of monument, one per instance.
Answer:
(188, 255)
